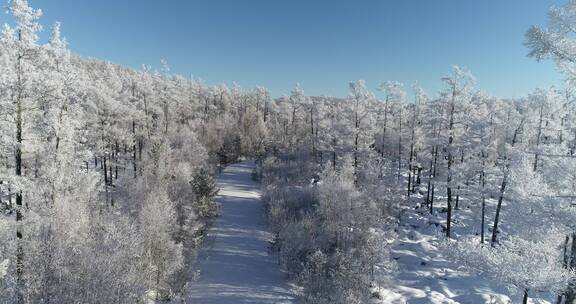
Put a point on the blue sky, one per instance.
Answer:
(323, 44)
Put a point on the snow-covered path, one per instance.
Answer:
(235, 264)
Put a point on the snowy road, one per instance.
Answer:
(235, 264)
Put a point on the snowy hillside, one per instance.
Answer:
(426, 274)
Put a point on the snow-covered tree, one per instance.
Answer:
(523, 265)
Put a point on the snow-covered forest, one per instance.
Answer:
(108, 180)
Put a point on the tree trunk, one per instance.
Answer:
(400, 145)
(428, 191)
(157, 283)
(482, 224)
(384, 128)
(432, 200)
(483, 212)
(19, 205)
(571, 292)
(19, 214)
(134, 148)
(456, 207)
(312, 137)
(418, 178)
(498, 208)
(435, 154)
(449, 211)
(110, 179)
(450, 160)
(356, 141)
(409, 190)
(166, 117)
(430, 178)
(356, 158)
(140, 148)
(411, 169)
(334, 159)
(503, 186)
(105, 171)
(564, 264)
(538, 136)
(265, 110)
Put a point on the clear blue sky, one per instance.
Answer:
(323, 44)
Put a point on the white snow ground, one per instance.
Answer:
(235, 265)
(426, 276)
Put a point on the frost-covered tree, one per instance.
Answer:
(162, 257)
(332, 237)
(415, 140)
(524, 265)
(360, 106)
(459, 90)
(23, 89)
(83, 142)
(556, 41)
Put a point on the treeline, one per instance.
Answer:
(349, 167)
(511, 160)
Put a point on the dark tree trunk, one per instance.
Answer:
(356, 158)
(110, 179)
(418, 177)
(503, 186)
(538, 136)
(19, 206)
(140, 148)
(134, 148)
(564, 264)
(265, 110)
(483, 212)
(134, 161)
(571, 292)
(428, 192)
(498, 208)
(433, 177)
(450, 160)
(384, 127)
(525, 298)
(449, 212)
(410, 173)
(400, 146)
(312, 137)
(105, 170)
(456, 207)
(409, 190)
(430, 175)
(334, 159)
(432, 199)
(482, 224)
